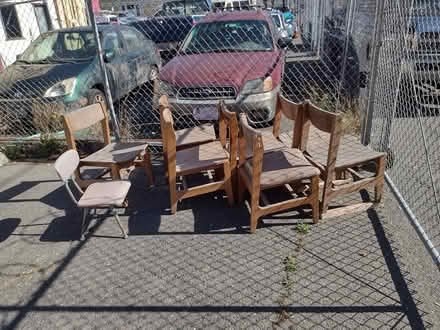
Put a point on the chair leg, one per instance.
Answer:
(148, 167)
(380, 177)
(255, 204)
(173, 192)
(315, 195)
(85, 212)
(228, 184)
(119, 223)
(116, 175)
(241, 187)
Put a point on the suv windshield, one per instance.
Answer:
(61, 46)
(229, 36)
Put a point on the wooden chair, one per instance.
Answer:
(273, 169)
(189, 137)
(107, 194)
(114, 155)
(320, 136)
(196, 159)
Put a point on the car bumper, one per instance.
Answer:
(260, 108)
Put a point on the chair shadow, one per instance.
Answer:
(7, 227)
(65, 228)
(57, 198)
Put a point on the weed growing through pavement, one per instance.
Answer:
(290, 267)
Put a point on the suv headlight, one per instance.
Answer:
(167, 89)
(256, 86)
(62, 88)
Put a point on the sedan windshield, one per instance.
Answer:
(229, 36)
(61, 46)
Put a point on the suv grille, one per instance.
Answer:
(213, 92)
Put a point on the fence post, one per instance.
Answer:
(377, 43)
(108, 94)
(349, 27)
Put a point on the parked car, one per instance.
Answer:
(61, 67)
(234, 56)
(278, 19)
(421, 68)
(166, 32)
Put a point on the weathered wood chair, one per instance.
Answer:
(196, 159)
(338, 158)
(98, 195)
(192, 136)
(273, 169)
(114, 155)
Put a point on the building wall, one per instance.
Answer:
(72, 13)
(9, 49)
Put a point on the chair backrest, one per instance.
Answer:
(66, 164)
(324, 121)
(166, 123)
(84, 118)
(292, 111)
(228, 123)
(168, 135)
(251, 142)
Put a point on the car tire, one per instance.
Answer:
(96, 96)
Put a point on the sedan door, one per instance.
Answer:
(131, 54)
(116, 65)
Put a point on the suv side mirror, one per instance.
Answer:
(109, 55)
(283, 42)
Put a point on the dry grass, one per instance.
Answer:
(348, 108)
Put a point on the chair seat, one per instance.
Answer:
(199, 134)
(351, 152)
(207, 155)
(109, 193)
(115, 153)
(283, 166)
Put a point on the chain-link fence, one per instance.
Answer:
(404, 118)
(243, 52)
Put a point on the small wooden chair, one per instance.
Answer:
(192, 136)
(114, 155)
(197, 159)
(99, 195)
(273, 169)
(320, 136)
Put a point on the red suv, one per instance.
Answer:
(232, 56)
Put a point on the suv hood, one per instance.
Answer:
(219, 69)
(33, 80)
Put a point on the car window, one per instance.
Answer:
(131, 39)
(229, 36)
(112, 42)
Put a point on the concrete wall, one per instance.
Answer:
(9, 49)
